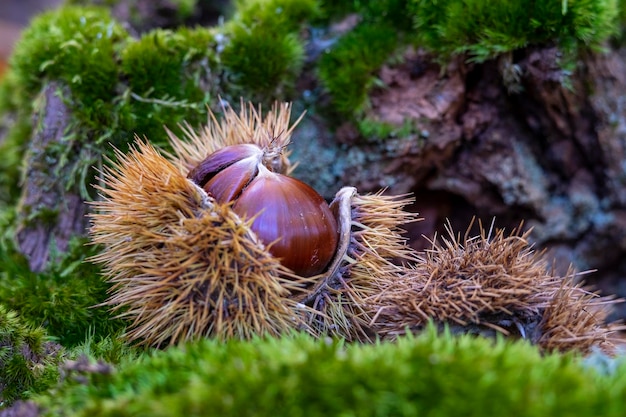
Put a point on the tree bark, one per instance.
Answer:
(50, 211)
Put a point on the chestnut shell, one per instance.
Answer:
(288, 215)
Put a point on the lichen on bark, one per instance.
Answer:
(49, 213)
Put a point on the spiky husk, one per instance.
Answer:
(182, 266)
(369, 257)
(576, 319)
(493, 283)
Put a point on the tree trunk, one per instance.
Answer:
(51, 212)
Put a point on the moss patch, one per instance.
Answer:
(478, 29)
(27, 358)
(62, 299)
(348, 70)
(430, 375)
(77, 46)
(264, 52)
(169, 78)
(485, 28)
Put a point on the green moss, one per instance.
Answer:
(264, 52)
(8, 100)
(485, 28)
(27, 359)
(620, 37)
(278, 15)
(62, 299)
(12, 151)
(370, 11)
(116, 87)
(112, 349)
(77, 46)
(170, 79)
(481, 29)
(15, 128)
(374, 130)
(258, 62)
(333, 10)
(348, 70)
(160, 55)
(438, 375)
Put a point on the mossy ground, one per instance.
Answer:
(433, 374)
(62, 299)
(120, 86)
(28, 360)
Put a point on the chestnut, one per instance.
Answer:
(287, 215)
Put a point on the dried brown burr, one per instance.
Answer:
(495, 283)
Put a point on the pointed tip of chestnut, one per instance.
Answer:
(222, 159)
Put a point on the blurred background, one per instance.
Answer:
(14, 15)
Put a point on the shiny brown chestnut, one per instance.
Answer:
(289, 215)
